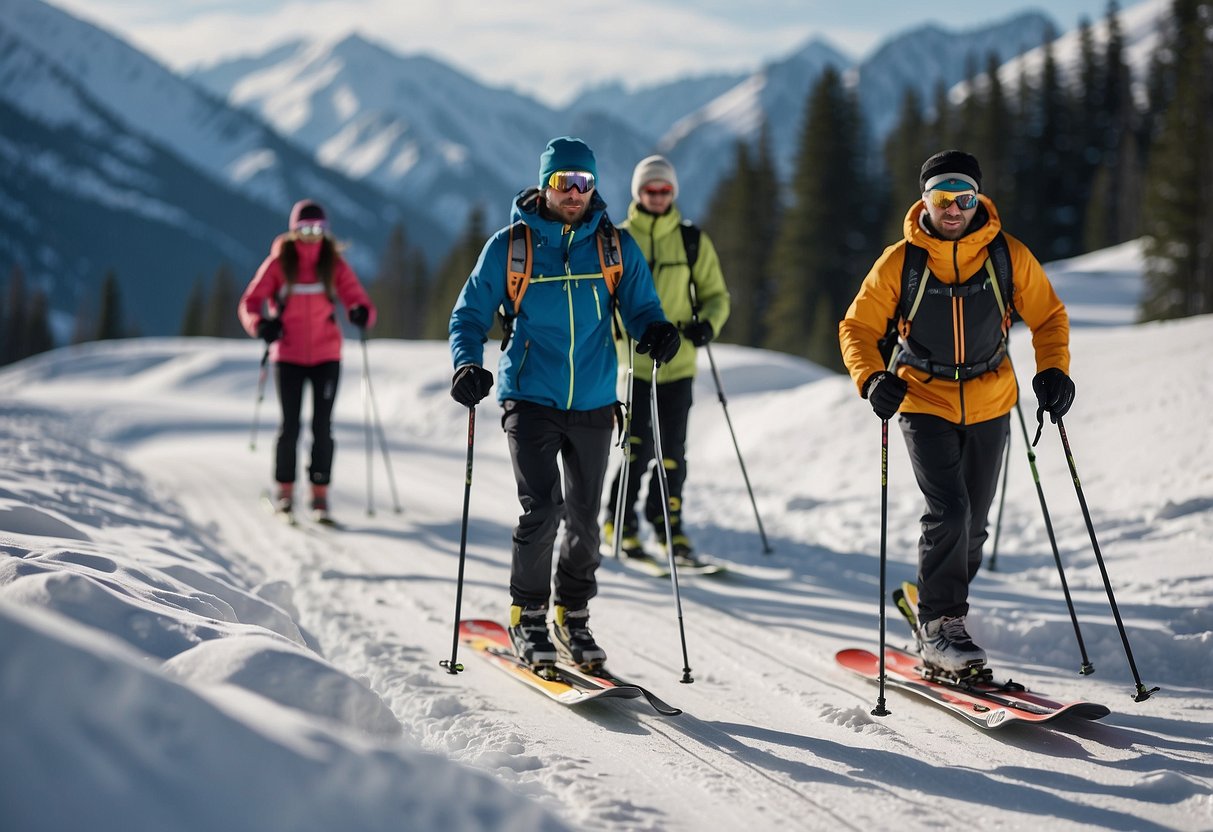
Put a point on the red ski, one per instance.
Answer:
(986, 704)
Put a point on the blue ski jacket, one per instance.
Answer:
(562, 353)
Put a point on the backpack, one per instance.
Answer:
(690, 242)
(914, 284)
(519, 263)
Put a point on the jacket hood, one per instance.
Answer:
(526, 208)
(984, 228)
(653, 225)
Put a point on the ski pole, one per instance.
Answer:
(370, 453)
(1002, 501)
(261, 377)
(1086, 668)
(625, 467)
(766, 547)
(880, 709)
(659, 464)
(387, 460)
(1141, 694)
(724, 404)
(452, 664)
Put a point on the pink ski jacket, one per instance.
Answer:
(310, 332)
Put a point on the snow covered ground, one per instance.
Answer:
(173, 658)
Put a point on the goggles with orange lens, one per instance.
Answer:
(567, 180)
(657, 190)
(965, 200)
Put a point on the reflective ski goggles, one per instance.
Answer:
(657, 190)
(567, 180)
(311, 229)
(965, 201)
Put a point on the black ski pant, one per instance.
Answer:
(957, 468)
(289, 379)
(542, 441)
(674, 400)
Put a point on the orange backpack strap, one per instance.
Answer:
(610, 256)
(518, 268)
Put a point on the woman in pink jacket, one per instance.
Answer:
(291, 304)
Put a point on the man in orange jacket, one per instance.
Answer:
(951, 378)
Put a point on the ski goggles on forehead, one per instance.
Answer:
(965, 200)
(567, 180)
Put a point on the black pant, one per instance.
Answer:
(674, 401)
(289, 379)
(957, 468)
(581, 439)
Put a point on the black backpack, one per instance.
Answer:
(913, 285)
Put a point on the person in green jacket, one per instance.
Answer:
(694, 297)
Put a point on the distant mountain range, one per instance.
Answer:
(419, 127)
(109, 159)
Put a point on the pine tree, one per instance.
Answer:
(1113, 215)
(1179, 196)
(726, 223)
(192, 322)
(109, 321)
(13, 339)
(38, 337)
(908, 145)
(1046, 219)
(743, 220)
(221, 319)
(821, 245)
(995, 145)
(453, 274)
(400, 289)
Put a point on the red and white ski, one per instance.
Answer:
(986, 704)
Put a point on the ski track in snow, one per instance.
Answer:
(774, 734)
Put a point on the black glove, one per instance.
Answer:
(699, 332)
(660, 341)
(885, 391)
(1054, 392)
(471, 384)
(269, 329)
(359, 315)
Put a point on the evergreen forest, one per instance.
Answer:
(1074, 161)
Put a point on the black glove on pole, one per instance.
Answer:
(1054, 392)
(660, 342)
(885, 392)
(269, 329)
(358, 316)
(699, 333)
(470, 384)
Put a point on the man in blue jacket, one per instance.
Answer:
(556, 383)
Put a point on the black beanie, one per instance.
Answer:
(947, 164)
(307, 211)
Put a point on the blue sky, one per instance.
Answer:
(549, 49)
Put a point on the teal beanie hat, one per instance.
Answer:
(566, 153)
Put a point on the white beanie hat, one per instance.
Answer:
(650, 169)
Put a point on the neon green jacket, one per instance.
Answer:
(660, 242)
